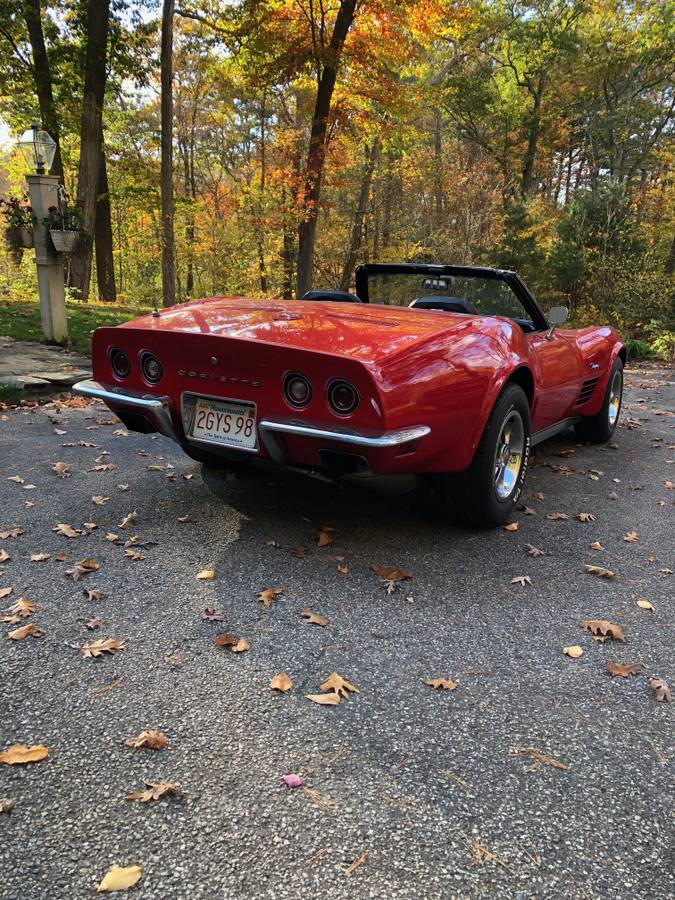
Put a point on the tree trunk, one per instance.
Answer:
(438, 169)
(166, 176)
(105, 260)
(372, 156)
(527, 180)
(317, 147)
(91, 138)
(42, 76)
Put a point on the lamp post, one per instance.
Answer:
(38, 149)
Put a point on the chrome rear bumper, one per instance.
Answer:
(271, 430)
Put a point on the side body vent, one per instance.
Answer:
(586, 391)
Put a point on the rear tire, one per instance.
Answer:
(598, 429)
(486, 494)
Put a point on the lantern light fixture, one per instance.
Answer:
(38, 148)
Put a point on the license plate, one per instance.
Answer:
(224, 422)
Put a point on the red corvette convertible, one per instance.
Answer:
(450, 372)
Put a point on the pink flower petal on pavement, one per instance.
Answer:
(292, 781)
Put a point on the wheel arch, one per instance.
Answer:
(523, 377)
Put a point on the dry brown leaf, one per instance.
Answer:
(511, 526)
(6, 805)
(446, 684)
(39, 557)
(643, 603)
(16, 478)
(20, 754)
(281, 682)
(660, 689)
(153, 740)
(338, 685)
(323, 699)
(601, 629)
(93, 624)
(111, 537)
(22, 608)
(557, 516)
(225, 640)
(299, 551)
(4, 556)
(343, 569)
(99, 500)
(325, 536)
(267, 596)
(624, 670)
(119, 878)
(97, 648)
(94, 594)
(574, 651)
(631, 537)
(596, 545)
(522, 580)
(599, 571)
(12, 533)
(391, 574)
(206, 575)
(66, 530)
(241, 646)
(5, 592)
(135, 554)
(534, 551)
(585, 517)
(129, 520)
(20, 633)
(61, 469)
(154, 791)
(312, 617)
(211, 614)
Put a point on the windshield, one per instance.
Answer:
(454, 293)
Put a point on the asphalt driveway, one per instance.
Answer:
(408, 791)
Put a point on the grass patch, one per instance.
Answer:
(20, 319)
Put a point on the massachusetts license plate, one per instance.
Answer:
(224, 422)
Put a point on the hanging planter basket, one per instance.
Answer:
(64, 241)
(26, 237)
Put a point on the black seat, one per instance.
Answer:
(331, 296)
(449, 304)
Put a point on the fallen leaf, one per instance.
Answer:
(391, 574)
(281, 682)
(119, 878)
(343, 569)
(123, 487)
(339, 685)
(643, 603)
(206, 575)
(17, 478)
(557, 516)
(99, 500)
(596, 545)
(534, 551)
(66, 530)
(94, 594)
(268, 595)
(97, 648)
(5, 592)
(299, 551)
(312, 617)
(241, 646)
(39, 557)
(601, 629)
(135, 554)
(20, 633)
(4, 556)
(12, 533)
(129, 520)
(625, 670)
(511, 526)
(154, 791)
(225, 640)
(522, 580)
(211, 614)
(153, 740)
(660, 689)
(111, 537)
(22, 608)
(292, 781)
(323, 699)
(20, 754)
(599, 571)
(574, 651)
(93, 623)
(585, 517)
(6, 805)
(445, 684)
(631, 537)
(325, 536)
(183, 519)
(61, 469)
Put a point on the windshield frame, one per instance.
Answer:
(516, 284)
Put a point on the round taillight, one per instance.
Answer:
(343, 397)
(297, 390)
(120, 363)
(151, 367)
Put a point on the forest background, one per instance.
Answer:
(265, 146)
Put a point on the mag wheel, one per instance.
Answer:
(601, 427)
(486, 494)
